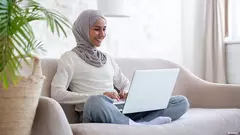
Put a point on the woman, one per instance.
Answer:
(91, 74)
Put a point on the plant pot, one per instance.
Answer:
(18, 103)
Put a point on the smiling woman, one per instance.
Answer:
(91, 75)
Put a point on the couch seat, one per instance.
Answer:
(196, 121)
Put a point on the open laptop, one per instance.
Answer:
(150, 90)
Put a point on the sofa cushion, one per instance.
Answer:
(194, 122)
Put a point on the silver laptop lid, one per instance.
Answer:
(150, 90)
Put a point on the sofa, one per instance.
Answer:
(214, 108)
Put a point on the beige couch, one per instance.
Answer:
(214, 107)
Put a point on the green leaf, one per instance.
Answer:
(2, 6)
(38, 47)
(24, 34)
(13, 64)
(3, 11)
(62, 19)
(3, 32)
(34, 16)
(5, 80)
(3, 22)
(20, 54)
(56, 25)
(52, 18)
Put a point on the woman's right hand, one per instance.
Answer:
(112, 95)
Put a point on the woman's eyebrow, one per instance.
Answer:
(99, 26)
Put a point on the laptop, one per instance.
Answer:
(150, 90)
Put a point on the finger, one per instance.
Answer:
(116, 96)
(107, 94)
(122, 94)
(125, 95)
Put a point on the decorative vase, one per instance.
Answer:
(19, 102)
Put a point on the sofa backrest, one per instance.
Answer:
(128, 66)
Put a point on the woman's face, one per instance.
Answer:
(97, 32)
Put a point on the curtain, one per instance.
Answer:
(203, 39)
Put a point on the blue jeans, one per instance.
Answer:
(99, 109)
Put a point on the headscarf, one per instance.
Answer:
(84, 48)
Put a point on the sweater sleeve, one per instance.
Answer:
(62, 80)
(120, 81)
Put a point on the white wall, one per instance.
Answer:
(153, 30)
(233, 65)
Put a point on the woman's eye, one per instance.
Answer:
(99, 29)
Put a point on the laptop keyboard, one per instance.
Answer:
(119, 106)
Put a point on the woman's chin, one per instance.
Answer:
(97, 45)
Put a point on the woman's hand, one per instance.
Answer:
(123, 95)
(112, 95)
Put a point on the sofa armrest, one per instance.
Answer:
(50, 119)
(212, 95)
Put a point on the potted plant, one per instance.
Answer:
(19, 95)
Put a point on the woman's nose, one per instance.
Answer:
(102, 33)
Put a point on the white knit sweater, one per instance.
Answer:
(84, 80)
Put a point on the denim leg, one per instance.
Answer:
(137, 117)
(178, 105)
(99, 109)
